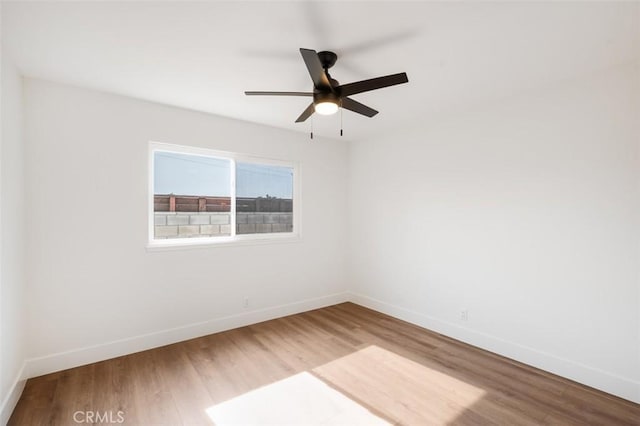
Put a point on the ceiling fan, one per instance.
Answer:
(329, 95)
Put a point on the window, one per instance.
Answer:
(203, 196)
(264, 198)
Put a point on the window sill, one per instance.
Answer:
(199, 243)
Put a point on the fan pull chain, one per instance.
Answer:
(312, 127)
(340, 117)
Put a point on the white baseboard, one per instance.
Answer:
(596, 378)
(10, 401)
(87, 355)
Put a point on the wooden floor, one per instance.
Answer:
(401, 373)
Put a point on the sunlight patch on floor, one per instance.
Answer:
(400, 389)
(301, 399)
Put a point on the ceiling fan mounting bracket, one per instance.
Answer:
(327, 59)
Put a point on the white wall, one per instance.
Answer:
(525, 212)
(86, 154)
(12, 302)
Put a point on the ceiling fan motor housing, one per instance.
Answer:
(319, 97)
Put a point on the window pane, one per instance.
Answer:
(191, 196)
(264, 198)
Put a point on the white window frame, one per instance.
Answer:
(233, 239)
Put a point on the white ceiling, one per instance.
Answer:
(204, 55)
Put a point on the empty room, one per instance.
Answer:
(320, 213)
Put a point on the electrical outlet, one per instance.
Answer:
(246, 302)
(464, 315)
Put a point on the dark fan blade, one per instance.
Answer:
(319, 77)
(372, 84)
(356, 106)
(278, 93)
(306, 113)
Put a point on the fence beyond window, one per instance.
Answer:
(196, 195)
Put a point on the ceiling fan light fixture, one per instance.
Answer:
(326, 107)
(325, 103)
